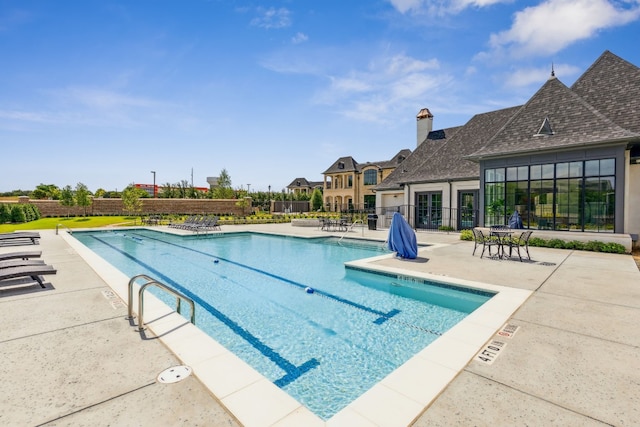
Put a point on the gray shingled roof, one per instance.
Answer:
(573, 121)
(612, 86)
(304, 182)
(602, 106)
(350, 165)
(447, 160)
(450, 162)
(432, 143)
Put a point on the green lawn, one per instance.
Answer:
(73, 222)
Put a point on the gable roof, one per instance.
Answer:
(303, 182)
(443, 161)
(602, 107)
(348, 164)
(573, 120)
(612, 85)
(434, 140)
(343, 164)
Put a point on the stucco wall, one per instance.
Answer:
(633, 202)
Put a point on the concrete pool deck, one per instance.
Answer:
(71, 357)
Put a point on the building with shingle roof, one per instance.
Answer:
(349, 185)
(565, 160)
(303, 185)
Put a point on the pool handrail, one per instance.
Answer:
(351, 227)
(153, 282)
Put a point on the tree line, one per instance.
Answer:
(81, 196)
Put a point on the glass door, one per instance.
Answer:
(467, 209)
(429, 210)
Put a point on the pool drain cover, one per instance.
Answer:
(174, 374)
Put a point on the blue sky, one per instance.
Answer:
(103, 92)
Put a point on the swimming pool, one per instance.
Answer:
(324, 347)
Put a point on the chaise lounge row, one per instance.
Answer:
(19, 238)
(15, 265)
(198, 223)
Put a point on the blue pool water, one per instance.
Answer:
(288, 306)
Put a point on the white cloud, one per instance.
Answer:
(299, 38)
(537, 76)
(439, 7)
(103, 99)
(555, 24)
(272, 18)
(404, 6)
(388, 84)
(24, 116)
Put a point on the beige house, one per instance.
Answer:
(349, 185)
(303, 186)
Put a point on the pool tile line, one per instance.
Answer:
(292, 372)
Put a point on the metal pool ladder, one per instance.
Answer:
(150, 281)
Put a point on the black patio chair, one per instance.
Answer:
(487, 242)
(522, 241)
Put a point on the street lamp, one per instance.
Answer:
(154, 183)
(248, 188)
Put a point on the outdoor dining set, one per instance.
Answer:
(328, 224)
(505, 240)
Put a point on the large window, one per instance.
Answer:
(370, 177)
(576, 196)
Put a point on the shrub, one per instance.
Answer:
(5, 214)
(555, 243)
(17, 214)
(466, 235)
(592, 245)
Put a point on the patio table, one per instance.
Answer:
(503, 236)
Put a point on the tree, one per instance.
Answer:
(5, 213)
(17, 214)
(131, 199)
(66, 198)
(82, 196)
(46, 191)
(183, 187)
(223, 190)
(169, 191)
(316, 200)
(100, 192)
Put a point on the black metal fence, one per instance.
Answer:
(419, 217)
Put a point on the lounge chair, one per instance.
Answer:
(32, 271)
(20, 262)
(20, 255)
(20, 237)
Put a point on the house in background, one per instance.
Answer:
(304, 186)
(349, 185)
(566, 160)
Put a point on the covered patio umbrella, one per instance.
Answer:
(402, 238)
(515, 221)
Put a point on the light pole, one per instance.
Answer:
(154, 183)
(248, 188)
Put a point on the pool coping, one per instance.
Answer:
(398, 399)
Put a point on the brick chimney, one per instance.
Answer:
(425, 124)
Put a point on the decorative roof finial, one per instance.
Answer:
(553, 73)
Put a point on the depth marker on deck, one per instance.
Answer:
(490, 352)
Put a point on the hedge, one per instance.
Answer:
(592, 245)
